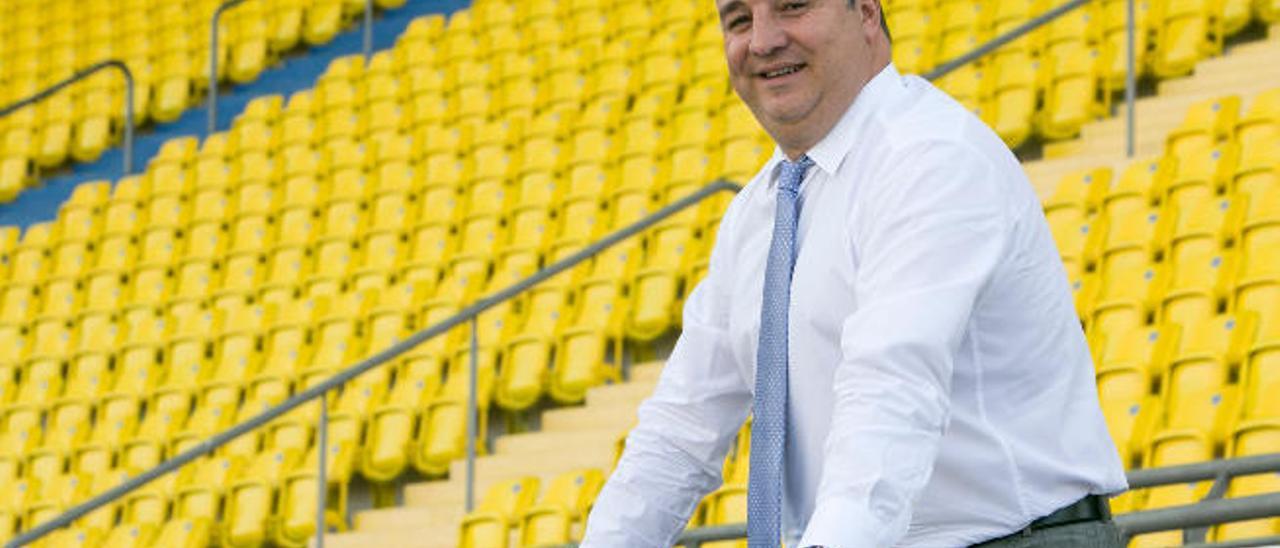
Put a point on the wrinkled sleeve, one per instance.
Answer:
(928, 235)
(673, 456)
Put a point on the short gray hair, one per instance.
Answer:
(884, 21)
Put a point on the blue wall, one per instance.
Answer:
(299, 72)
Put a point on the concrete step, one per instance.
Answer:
(634, 391)
(495, 468)
(533, 442)
(543, 464)
(437, 517)
(412, 537)
(648, 371)
(621, 416)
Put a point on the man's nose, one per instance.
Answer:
(767, 36)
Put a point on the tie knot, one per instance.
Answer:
(793, 173)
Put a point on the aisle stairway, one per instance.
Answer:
(1245, 70)
(433, 510)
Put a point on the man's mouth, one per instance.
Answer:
(781, 71)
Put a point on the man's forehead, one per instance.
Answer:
(723, 6)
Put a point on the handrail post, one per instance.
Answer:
(368, 30)
(472, 417)
(1130, 77)
(81, 75)
(213, 62)
(128, 117)
(322, 476)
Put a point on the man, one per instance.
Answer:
(886, 297)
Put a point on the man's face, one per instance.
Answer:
(797, 63)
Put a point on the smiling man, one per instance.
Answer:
(886, 299)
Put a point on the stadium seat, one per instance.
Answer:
(1252, 438)
(500, 506)
(565, 502)
(1259, 378)
(1129, 410)
(1207, 122)
(1188, 30)
(1168, 449)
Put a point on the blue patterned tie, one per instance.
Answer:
(769, 425)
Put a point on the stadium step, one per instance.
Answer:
(432, 510)
(1246, 70)
(416, 537)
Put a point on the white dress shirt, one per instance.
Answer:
(941, 391)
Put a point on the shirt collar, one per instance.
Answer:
(831, 151)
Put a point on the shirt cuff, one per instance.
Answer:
(840, 522)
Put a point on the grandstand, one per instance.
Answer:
(166, 46)
(245, 266)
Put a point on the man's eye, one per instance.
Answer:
(738, 21)
(792, 6)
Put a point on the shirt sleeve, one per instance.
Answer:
(674, 455)
(927, 234)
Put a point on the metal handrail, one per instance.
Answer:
(995, 43)
(213, 62)
(1200, 514)
(1130, 91)
(317, 391)
(212, 100)
(80, 75)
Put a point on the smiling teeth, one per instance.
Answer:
(781, 72)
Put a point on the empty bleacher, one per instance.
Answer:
(322, 227)
(166, 46)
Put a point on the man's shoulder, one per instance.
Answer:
(926, 114)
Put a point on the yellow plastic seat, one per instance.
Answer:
(248, 33)
(502, 503)
(1189, 30)
(1197, 396)
(1128, 409)
(77, 221)
(656, 283)
(1251, 438)
(1191, 282)
(1207, 122)
(1201, 174)
(1123, 296)
(1256, 172)
(565, 502)
(249, 500)
(1257, 125)
(70, 258)
(88, 375)
(444, 419)
(1260, 378)
(391, 425)
(139, 369)
(184, 533)
(1014, 97)
(116, 420)
(121, 217)
(18, 303)
(69, 425)
(1074, 94)
(480, 235)
(1168, 449)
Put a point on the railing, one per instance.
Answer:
(1212, 510)
(319, 391)
(1130, 92)
(212, 100)
(81, 74)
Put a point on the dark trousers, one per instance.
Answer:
(1087, 534)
